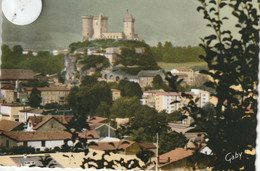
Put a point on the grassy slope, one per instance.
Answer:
(192, 65)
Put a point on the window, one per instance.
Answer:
(51, 125)
(43, 143)
(25, 143)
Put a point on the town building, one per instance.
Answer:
(161, 100)
(204, 96)
(97, 28)
(10, 111)
(51, 94)
(24, 114)
(186, 74)
(178, 159)
(38, 139)
(116, 94)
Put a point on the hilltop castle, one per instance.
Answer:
(96, 28)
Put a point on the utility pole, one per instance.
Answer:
(157, 152)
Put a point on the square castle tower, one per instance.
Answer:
(96, 28)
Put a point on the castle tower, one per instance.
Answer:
(100, 26)
(87, 27)
(129, 25)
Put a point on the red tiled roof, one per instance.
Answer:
(89, 134)
(174, 155)
(38, 136)
(7, 125)
(183, 70)
(96, 119)
(16, 74)
(38, 121)
(116, 145)
(145, 146)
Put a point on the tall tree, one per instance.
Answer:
(35, 98)
(233, 65)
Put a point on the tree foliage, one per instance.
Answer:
(35, 99)
(169, 53)
(125, 107)
(85, 99)
(233, 65)
(170, 140)
(44, 62)
(130, 89)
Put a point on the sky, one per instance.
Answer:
(59, 24)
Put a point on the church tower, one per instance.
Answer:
(129, 26)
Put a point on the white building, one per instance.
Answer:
(204, 96)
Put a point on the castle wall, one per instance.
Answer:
(113, 36)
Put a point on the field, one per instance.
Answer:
(190, 65)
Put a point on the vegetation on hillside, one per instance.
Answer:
(131, 62)
(169, 53)
(43, 62)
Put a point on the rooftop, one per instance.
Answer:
(38, 121)
(7, 125)
(17, 74)
(174, 155)
(38, 136)
(112, 145)
(48, 88)
(149, 73)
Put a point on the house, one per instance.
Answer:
(12, 77)
(180, 128)
(8, 94)
(204, 96)
(148, 147)
(161, 100)
(103, 130)
(26, 113)
(186, 74)
(146, 77)
(39, 140)
(10, 111)
(51, 94)
(7, 125)
(116, 94)
(96, 119)
(177, 159)
(48, 123)
(122, 147)
(57, 123)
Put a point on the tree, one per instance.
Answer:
(35, 98)
(233, 65)
(158, 82)
(174, 83)
(87, 80)
(130, 89)
(86, 99)
(147, 122)
(175, 116)
(170, 140)
(125, 107)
